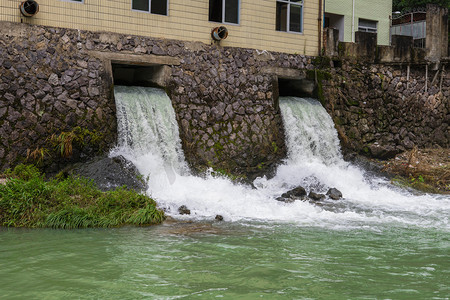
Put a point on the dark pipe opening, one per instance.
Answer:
(337, 63)
(296, 87)
(219, 33)
(29, 8)
(137, 75)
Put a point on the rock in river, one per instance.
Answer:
(183, 210)
(334, 194)
(298, 192)
(315, 196)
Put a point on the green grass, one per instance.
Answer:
(27, 200)
(415, 183)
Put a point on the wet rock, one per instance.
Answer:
(298, 192)
(219, 218)
(372, 167)
(382, 151)
(315, 196)
(183, 210)
(110, 173)
(285, 200)
(334, 194)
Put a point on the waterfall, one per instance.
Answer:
(148, 136)
(310, 131)
(147, 128)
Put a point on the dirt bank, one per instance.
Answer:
(423, 169)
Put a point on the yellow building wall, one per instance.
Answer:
(186, 20)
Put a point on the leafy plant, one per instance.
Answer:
(37, 155)
(65, 140)
(64, 143)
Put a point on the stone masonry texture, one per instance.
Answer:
(52, 80)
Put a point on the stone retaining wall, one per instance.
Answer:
(49, 84)
(226, 99)
(380, 112)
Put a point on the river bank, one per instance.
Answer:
(28, 200)
(427, 170)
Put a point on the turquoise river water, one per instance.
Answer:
(230, 260)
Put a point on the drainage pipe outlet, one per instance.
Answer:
(219, 33)
(29, 8)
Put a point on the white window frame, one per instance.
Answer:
(367, 28)
(149, 11)
(223, 14)
(288, 19)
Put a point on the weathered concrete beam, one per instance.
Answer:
(284, 72)
(135, 59)
(291, 82)
(160, 66)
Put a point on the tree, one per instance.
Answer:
(401, 5)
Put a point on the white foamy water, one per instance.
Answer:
(148, 136)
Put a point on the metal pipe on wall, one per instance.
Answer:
(353, 21)
(320, 27)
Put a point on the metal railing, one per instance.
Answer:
(411, 23)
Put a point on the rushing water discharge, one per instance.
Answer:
(379, 242)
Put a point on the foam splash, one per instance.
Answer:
(148, 136)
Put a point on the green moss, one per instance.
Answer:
(338, 121)
(322, 61)
(225, 173)
(27, 200)
(321, 75)
(417, 183)
(340, 48)
(352, 102)
(351, 135)
(218, 146)
(274, 147)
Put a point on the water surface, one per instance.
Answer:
(230, 260)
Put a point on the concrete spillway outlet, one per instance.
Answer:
(140, 75)
(296, 87)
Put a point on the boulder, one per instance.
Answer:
(315, 196)
(334, 194)
(183, 210)
(110, 173)
(383, 151)
(285, 200)
(298, 192)
(219, 218)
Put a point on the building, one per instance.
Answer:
(349, 16)
(289, 26)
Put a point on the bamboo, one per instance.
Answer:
(407, 76)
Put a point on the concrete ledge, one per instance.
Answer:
(135, 59)
(284, 72)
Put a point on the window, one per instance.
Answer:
(367, 25)
(224, 11)
(158, 7)
(289, 15)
